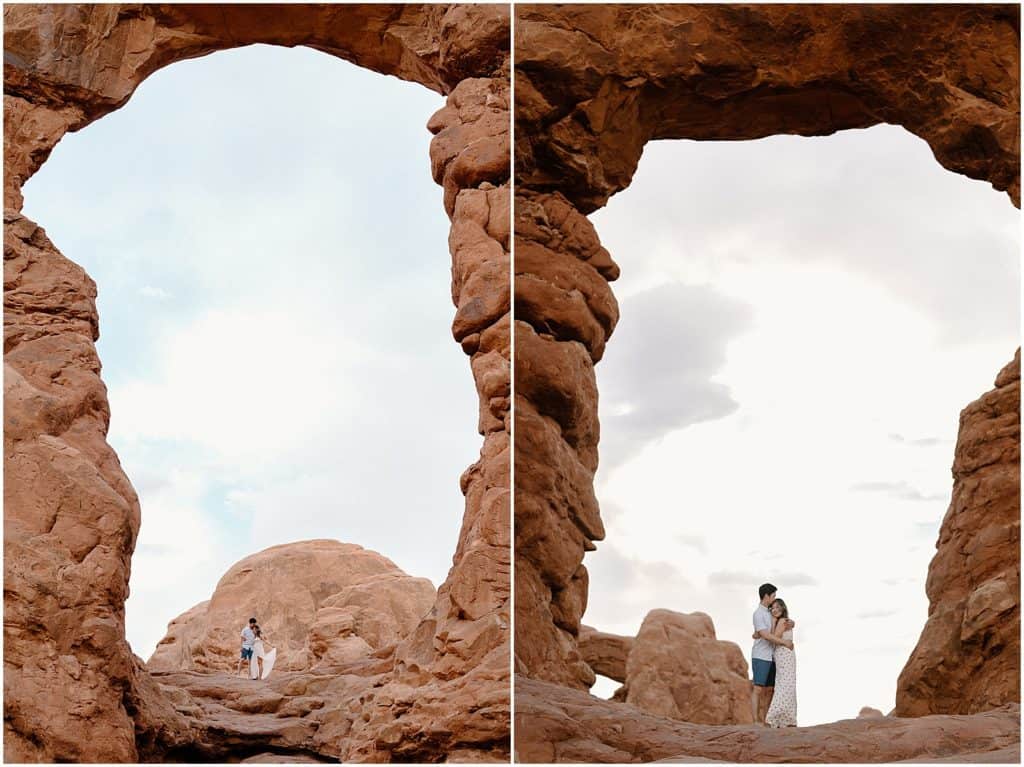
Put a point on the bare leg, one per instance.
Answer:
(766, 701)
(259, 662)
(755, 703)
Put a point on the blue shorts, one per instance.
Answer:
(764, 672)
(247, 654)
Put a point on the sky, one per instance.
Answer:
(275, 309)
(802, 321)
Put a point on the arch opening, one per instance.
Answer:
(265, 300)
(799, 324)
(66, 66)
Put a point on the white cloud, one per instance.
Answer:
(150, 292)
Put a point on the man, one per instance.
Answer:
(248, 640)
(762, 661)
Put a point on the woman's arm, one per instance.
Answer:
(781, 627)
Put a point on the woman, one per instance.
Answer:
(262, 662)
(782, 712)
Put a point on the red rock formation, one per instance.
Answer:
(565, 311)
(605, 653)
(331, 604)
(968, 657)
(555, 723)
(867, 712)
(594, 83)
(678, 669)
(73, 690)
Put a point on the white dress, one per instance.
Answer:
(258, 651)
(782, 711)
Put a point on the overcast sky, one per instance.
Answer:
(275, 309)
(802, 321)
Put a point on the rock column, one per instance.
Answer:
(968, 657)
(565, 312)
(451, 692)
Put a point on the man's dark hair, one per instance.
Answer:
(252, 620)
(766, 589)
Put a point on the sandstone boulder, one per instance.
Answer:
(968, 656)
(678, 669)
(319, 602)
(867, 712)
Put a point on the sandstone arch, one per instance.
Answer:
(73, 690)
(593, 85)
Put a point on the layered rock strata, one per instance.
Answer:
(968, 657)
(555, 723)
(73, 690)
(331, 604)
(593, 85)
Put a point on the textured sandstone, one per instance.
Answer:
(555, 723)
(331, 603)
(968, 656)
(678, 669)
(605, 653)
(73, 690)
(594, 83)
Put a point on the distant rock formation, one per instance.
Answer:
(678, 669)
(675, 667)
(968, 657)
(605, 653)
(320, 602)
(869, 713)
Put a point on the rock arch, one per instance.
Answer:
(73, 690)
(593, 85)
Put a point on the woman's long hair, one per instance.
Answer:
(259, 634)
(779, 602)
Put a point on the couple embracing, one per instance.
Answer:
(773, 662)
(255, 652)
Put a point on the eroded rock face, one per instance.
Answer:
(555, 723)
(594, 83)
(331, 604)
(565, 312)
(680, 670)
(605, 653)
(73, 690)
(968, 656)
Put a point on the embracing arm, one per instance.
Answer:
(779, 628)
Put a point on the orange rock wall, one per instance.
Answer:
(73, 690)
(593, 84)
(968, 657)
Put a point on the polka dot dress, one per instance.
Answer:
(782, 712)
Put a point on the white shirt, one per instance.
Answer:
(248, 637)
(762, 622)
